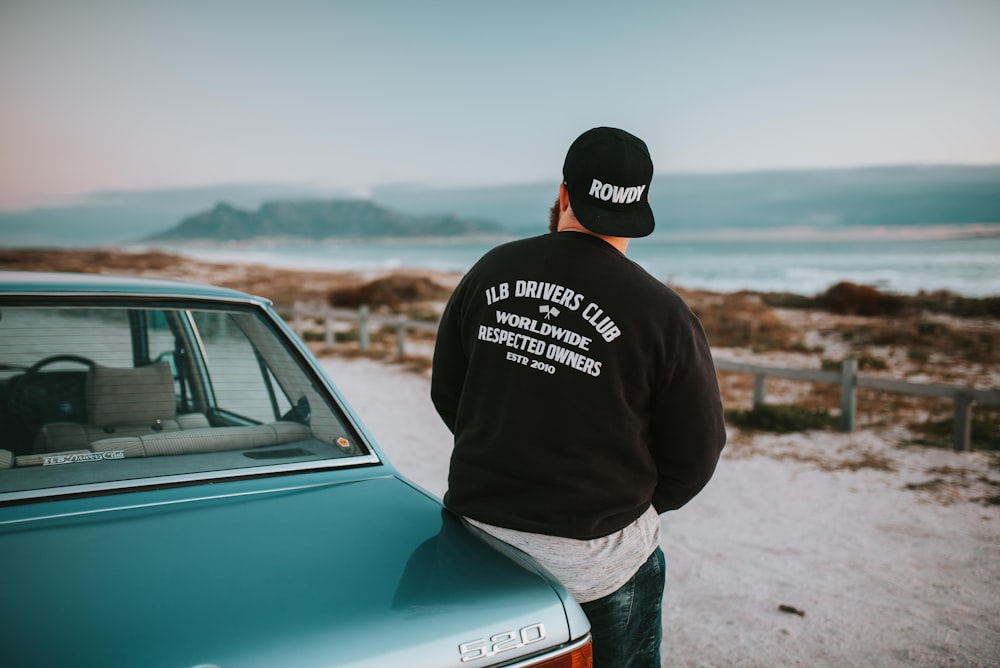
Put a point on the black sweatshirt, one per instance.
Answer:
(578, 387)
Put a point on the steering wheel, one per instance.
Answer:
(42, 363)
(37, 403)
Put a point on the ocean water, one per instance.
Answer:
(966, 266)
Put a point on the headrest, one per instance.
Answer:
(140, 395)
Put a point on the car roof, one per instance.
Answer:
(58, 283)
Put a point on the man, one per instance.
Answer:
(583, 398)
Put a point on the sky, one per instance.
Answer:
(118, 95)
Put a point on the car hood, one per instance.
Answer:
(365, 573)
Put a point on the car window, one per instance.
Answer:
(120, 393)
(30, 335)
(241, 382)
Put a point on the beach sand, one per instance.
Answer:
(883, 575)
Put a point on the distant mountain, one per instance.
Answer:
(115, 218)
(871, 196)
(876, 196)
(318, 219)
(685, 203)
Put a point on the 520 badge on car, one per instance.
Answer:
(506, 641)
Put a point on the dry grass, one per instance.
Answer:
(950, 484)
(392, 292)
(741, 320)
(282, 286)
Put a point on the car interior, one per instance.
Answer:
(94, 384)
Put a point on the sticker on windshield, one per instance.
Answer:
(50, 460)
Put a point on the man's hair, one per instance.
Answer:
(554, 217)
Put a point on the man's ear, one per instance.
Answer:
(563, 198)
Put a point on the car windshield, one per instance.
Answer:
(113, 394)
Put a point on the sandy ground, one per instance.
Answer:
(882, 574)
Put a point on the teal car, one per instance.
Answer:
(182, 485)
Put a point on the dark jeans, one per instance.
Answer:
(627, 625)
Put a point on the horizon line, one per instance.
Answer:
(48, 201)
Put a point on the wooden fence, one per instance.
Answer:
(363, 317)
(847, 377)
(850, 380)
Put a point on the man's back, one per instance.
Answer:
(555, 362)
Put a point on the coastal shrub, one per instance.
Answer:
(318, 336)
(925, 328)
(866, 362)
(852, 299)
(741, 320)
(800, 347)
(846, 298)
(781, 418)
(872, 363)
(975, 345)
(942, 301)
(391, 291)
(787, 300)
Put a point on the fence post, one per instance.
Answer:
(298, 325)
(848, 393)
(400, 338)
(759, 392)
(363, 326)
(961, 431)
(328, 332)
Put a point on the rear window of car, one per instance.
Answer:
(116, 393)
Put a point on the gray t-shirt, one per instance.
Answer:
(589, 569)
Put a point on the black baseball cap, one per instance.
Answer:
(607, 173)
